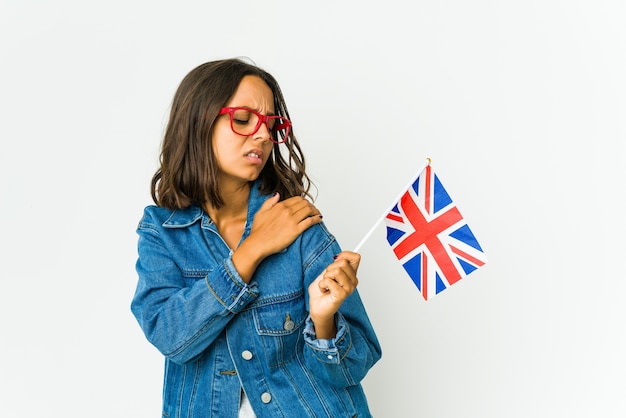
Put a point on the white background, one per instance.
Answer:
(520, 104)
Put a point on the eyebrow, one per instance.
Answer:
(255, 110)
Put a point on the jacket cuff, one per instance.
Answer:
(329, 350)
(229, 289)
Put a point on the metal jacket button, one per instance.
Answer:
(288, 325)
(266, 397)
(247, 355)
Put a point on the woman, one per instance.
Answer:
(241, 286)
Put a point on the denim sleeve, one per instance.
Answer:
(180, 320)
(345, 359)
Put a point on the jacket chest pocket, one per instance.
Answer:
(279, 325)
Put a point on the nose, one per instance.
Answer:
(263, 133)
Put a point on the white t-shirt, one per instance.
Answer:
(245, 409)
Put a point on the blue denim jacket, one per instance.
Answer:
(219, 334)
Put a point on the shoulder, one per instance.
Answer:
(318, 239)
(321, 232)
(318, 246)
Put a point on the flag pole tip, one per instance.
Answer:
(429, 160)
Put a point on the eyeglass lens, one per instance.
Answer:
(245, 122)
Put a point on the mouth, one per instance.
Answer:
(255, 155)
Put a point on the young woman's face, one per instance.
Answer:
(241, 158)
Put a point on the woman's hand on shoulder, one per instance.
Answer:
(277, 224)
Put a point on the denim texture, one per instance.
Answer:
(219, 334)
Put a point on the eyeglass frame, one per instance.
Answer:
(262, 119)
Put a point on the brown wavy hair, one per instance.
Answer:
(188, 169)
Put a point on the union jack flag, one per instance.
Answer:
(430, 237)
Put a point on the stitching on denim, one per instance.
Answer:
(230, 276)
(330, 239)
(195, 274)
(277, 299)
(206, 280)
(315, 386)
(179, 403)
(346, 351)
(144, 226)
(346, 374)
(194, 389)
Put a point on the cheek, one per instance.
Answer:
(267, 150)
(224, 142)
(221, 152)
(222, 134)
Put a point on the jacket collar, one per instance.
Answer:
(182, 218)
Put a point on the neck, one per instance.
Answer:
(230, 219)
(235, 203)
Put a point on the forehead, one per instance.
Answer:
(254, 93)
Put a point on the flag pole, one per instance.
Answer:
(371, 231)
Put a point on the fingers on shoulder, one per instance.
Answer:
(309, 221)
(303, 211)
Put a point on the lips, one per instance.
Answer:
(255, 154)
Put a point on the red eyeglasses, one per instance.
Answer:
(245, 122)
